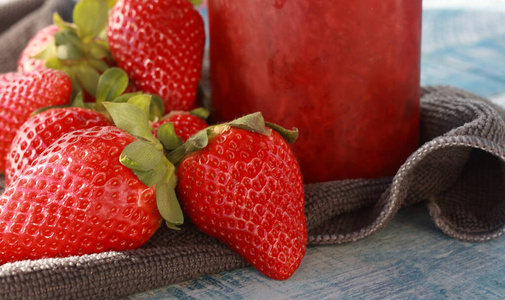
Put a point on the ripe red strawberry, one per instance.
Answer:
(185, 124)
(41, 130)
(39, 42)
(92, 190)
(160, 45)
(23, 93)
(77, 198)
(245, 188)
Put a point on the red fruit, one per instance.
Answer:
(77, 198)
(39, 42)
(160, 45)
(41, 130)
(245, 189)
(23, 93)
(185, 124)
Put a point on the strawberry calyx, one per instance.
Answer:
(253, 122)
(145, 157)
(167, 136)
(289, 135)
(80, 49)
(200, 112)
(111, 87)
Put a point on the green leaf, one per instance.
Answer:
(142, 101)
(76, 86)
(111, 84)
(153, 169)
(98, 51)
(97, 64)
(200, 112)
(167, 136)
(68, 45)
(110, 3)
(68, 52)
(46, 53)
(196, 142)
(88, 78)
(157, 108)
(146, 177)
(90, 17)
(196, 2)
(67, 37)
(78, 100)
(289, 135)
(253, 122)
(125, 97)
(58, 21)
(168, 205)
(131, 119)
(53, 63)
(143, 158)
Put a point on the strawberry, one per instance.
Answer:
(160, 45)
(240, 183)
(41, 130)
(78, 49)
(27, 62)
(92, 190)
(76, 198)
(23, 93)
(186, 124)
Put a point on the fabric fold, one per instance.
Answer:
(462, 137)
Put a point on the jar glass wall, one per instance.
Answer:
(345, 73)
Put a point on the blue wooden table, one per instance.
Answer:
(463, 46)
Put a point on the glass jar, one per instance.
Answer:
(345, 73)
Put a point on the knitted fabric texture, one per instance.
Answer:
(458, 171)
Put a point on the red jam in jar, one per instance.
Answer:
(345, 73)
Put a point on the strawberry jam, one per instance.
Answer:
(345, 73)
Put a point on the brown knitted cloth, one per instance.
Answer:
(459, 172)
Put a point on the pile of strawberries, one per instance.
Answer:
(102, 141)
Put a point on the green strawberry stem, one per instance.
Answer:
(253, 122)
(145, 157)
